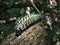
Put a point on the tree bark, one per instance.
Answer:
(35, 35)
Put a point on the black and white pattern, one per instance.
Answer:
(27, 20)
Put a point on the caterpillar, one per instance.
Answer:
(27, 21)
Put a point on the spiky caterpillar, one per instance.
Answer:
(26, 22)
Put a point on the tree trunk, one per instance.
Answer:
(35, 35)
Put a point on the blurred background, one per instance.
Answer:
(12, 10)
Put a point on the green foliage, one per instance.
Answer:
(22, 11)
(14, 12)
(7, 29)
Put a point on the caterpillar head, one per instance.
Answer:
(17, 31)
(17, 28)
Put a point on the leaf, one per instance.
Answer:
(58, 33)
(22, 10)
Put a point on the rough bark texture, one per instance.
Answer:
(35, 35)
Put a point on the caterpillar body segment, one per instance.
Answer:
(27, 21)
